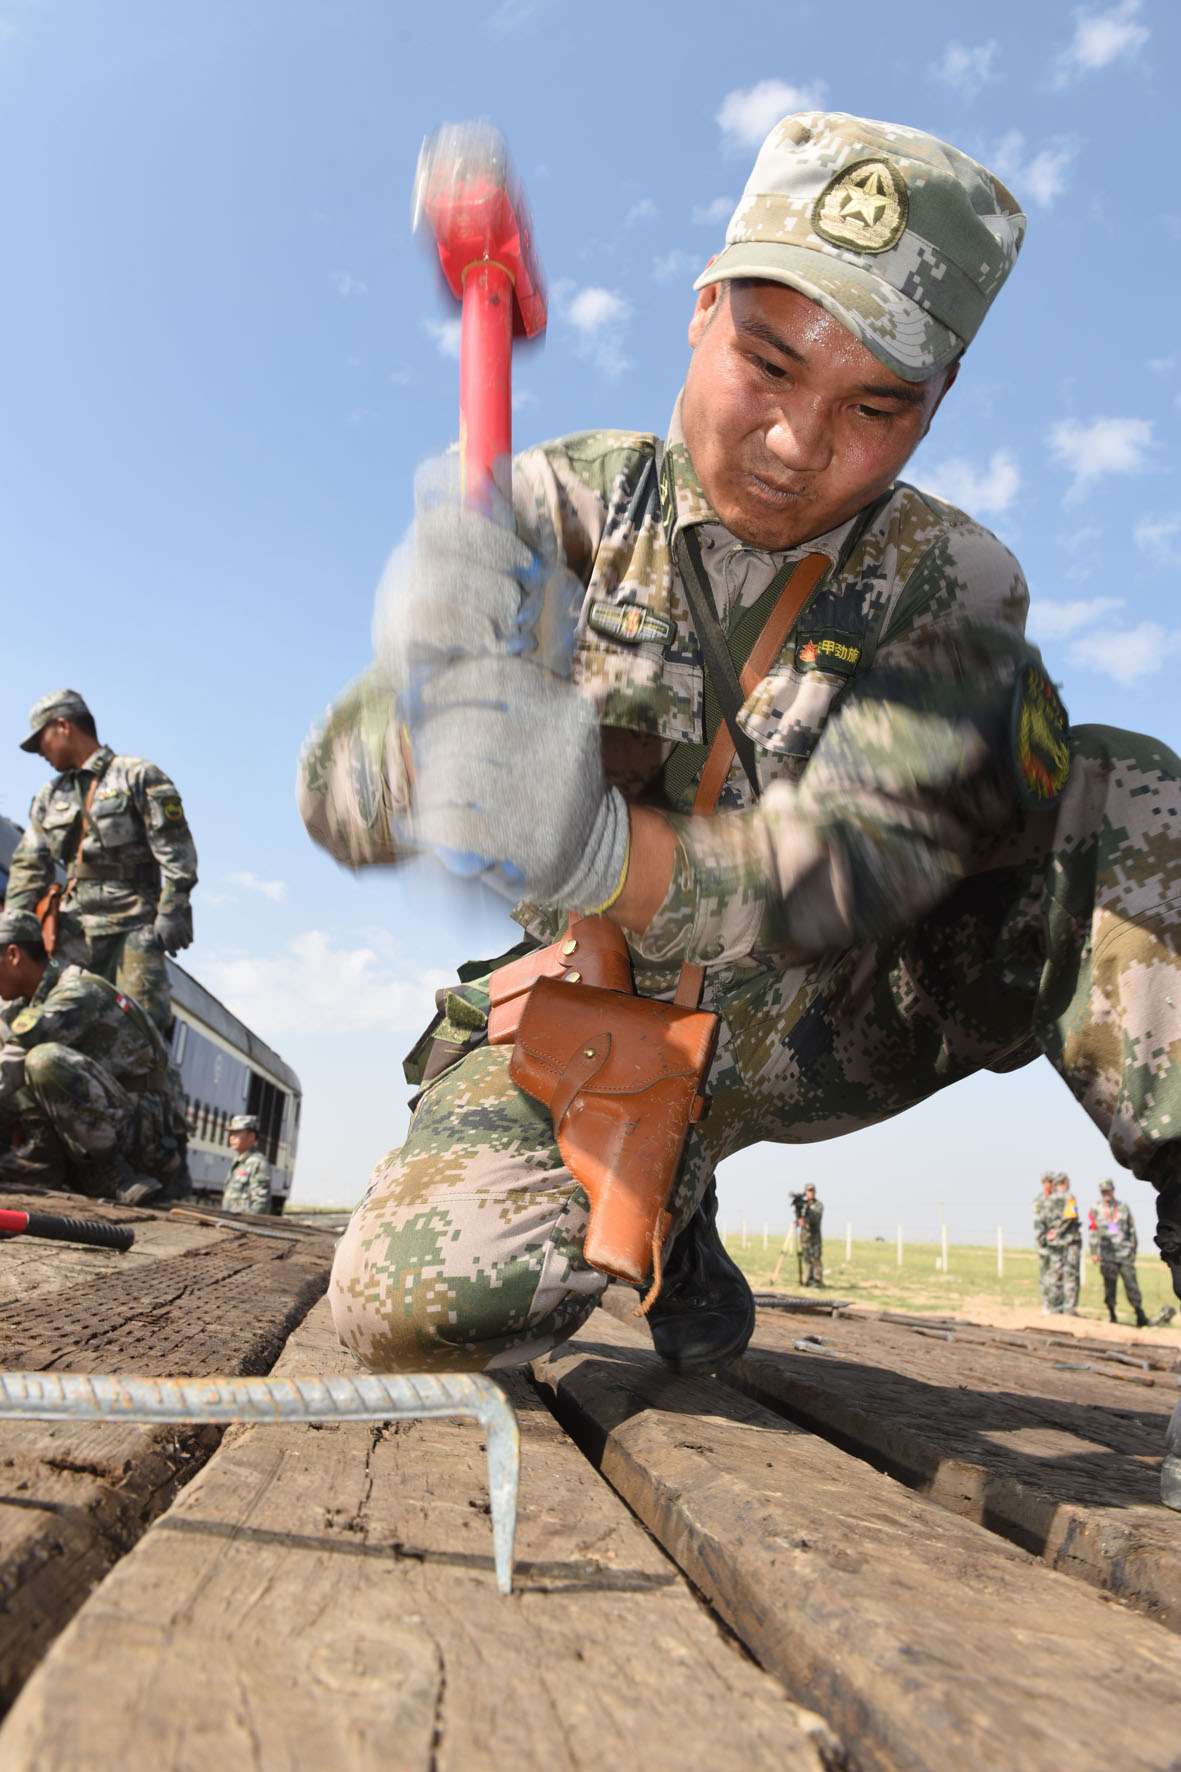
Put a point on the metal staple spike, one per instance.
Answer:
(68, 1396)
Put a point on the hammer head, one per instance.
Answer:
(465, 192)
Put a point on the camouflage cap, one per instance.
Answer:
(244, 1123)
(1107, 1187)
(902, 238)
(59, 704)
(20, 926)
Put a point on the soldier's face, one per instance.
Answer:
(55, 744)
(242, 1141)
(792, 425)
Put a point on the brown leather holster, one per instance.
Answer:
(622, 1077)
(48, 911)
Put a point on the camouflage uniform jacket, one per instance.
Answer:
(1067, 1225)
(83, 1012)
(248, 1184)
(137, 854)
(1114, 1236)
(1045, 1214)
(811, 1214)
(902, 725)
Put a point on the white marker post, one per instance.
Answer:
(1000, 1252)
(943, 1244)
(848, 1242)
(899, 1245)
(764, 1236)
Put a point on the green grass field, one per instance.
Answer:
(872, 1276)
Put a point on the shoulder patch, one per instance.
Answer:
(1041, 739)
(631, 622)
(25, 1020)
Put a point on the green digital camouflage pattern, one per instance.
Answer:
(902, 237)
(248, 1184)
(896, 913)
(136, 858)
(88, 1062)
(1044, 1213)
(812, 1242)
(1113, 1240)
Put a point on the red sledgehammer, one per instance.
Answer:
(464, 191)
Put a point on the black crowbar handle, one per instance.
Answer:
(66, 1230)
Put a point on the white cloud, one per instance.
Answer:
(975, 490)
(272, 889)
(313, 984)
(347, 284)
(1128, 656)
(674, 264)
(1041, 176)
(964, 69)
(745, 117)
(446, 336)
(713, 214)
(1158, 536)
(598, 316)
(1057, 621)
(1101, 38)
(644, 210)
(1105, 446)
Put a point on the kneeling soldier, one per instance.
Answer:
(248, 1184)
(85, 1073)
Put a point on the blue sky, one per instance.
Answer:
(225, 354)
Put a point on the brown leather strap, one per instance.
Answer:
(765, 650)
(72, 871)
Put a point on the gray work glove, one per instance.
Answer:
(174, 929)
(463, 584)
(508, 784)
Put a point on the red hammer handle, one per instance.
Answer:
(485, 374)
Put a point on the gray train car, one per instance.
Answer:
(226, 1070)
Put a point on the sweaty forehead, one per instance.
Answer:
(792, 323)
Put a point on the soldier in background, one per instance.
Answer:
(1043, 1213)
(811, 1242)
(117, 827)
(85, 1075)
(248, 1184)
(1064, 1246)
(1113, 1246)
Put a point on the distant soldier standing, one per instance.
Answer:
(1113, 1245)
(811, 1243)
(85, 1074)
(117, 827)
(248, 1184)
(1063, 1246)
(1043, 1214)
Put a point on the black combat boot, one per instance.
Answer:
(111, 1177)
(1141, 1319)
(704, 1314)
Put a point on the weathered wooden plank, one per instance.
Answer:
(324, 1597)
(74, 1498)
(924, 1640)
(1063, 1462)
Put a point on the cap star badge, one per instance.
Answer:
(864, 208)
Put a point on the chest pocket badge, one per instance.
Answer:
(631, 623)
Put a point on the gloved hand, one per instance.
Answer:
(508, 784)
(174, 929)
(464, 584)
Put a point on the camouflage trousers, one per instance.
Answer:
(91, 1116)
(812, 1257)
(466, 1251)
(1114, 1268)
(130, 959)
(1060, 1284)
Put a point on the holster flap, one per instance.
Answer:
(622, 1077)
(592, 951)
